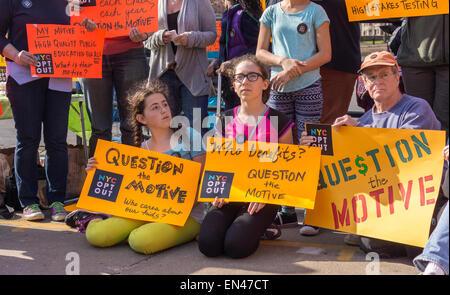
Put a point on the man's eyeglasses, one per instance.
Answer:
(252, 77)
(372, 78)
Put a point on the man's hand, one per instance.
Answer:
(344, 121)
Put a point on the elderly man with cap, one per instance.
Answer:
(391, 109)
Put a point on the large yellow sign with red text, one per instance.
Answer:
(380, 183)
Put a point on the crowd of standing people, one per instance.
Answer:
(296, 61)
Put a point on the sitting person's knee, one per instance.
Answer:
(237, 248)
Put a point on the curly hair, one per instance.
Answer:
(136, 102)
(253, 7)
(231, 70)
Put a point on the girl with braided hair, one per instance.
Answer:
(149, 109)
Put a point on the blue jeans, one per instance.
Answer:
(33, 106)
(181, 99)
(122, 72)
(436, 250)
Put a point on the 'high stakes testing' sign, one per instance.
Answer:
(359, 10)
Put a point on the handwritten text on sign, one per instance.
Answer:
(260, 172)
(385, 186)
(2, 69)
(65, 51)
(118, 17)
(138, 184)
(375, 9)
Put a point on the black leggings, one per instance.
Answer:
(232, 231)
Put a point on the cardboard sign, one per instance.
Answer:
(359, 10)
(216, 46)
(2, 69)
(65, 51)
(380, 183)
(139, 184)
(118, 17)
(260, 172)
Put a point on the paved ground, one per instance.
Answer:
(53, 248)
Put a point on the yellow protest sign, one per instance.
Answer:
(139, 184)
(2, 69)
(359, 10)
(380, 183)
(260, 172)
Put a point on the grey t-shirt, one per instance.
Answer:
(409, 113)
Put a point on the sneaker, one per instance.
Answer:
(273, 232)
(58, 211)
(7, 212)
(433, 269)
(308, 230)
(285, 220)
(352, 239)
(80, 219)
(33, 212)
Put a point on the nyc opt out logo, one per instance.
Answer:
(105, 185)
(45, 64)
(216, 184)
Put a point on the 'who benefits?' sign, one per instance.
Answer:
(260, 172)
(139, 184)
(380, 183)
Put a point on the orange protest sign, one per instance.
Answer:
(118, 17)
(65, 51)
(359, 10)
(261, 172)
(216, 46)
(381, 183)
(139, 184)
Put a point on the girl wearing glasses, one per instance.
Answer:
(234, 229)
